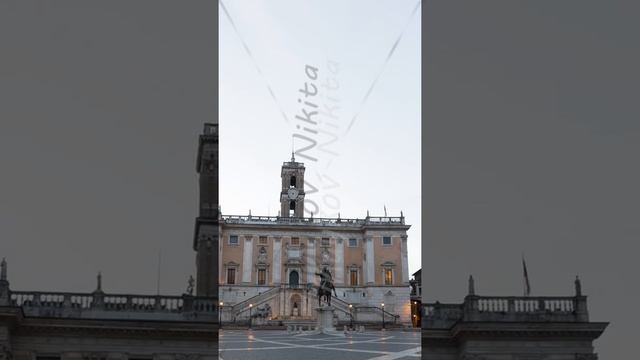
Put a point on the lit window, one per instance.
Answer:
(262, 276)
(386, 240)
(388, 276)
(231, 276)
(295, 241)
(353, 242)
(233, 240)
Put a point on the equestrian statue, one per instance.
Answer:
(326, 285)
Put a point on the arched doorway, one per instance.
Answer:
(294, 279)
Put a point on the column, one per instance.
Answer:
(370, 260)
(363, 276)
(277, 260)
(339, 261)
(221, 273)
(281, 301)
(247, 259)
(404, 259)
(303, 305)
(311, 261)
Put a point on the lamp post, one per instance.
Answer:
(382, 315)
(220, 315)
(250, 307)
(350, 316)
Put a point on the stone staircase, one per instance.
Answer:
(256, 301)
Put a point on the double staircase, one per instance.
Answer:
(343, 313)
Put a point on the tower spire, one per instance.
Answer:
(293, 158)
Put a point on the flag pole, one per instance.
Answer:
(525, 278)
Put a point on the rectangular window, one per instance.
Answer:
(353, 242)
(295, 241)
(325, 241)
(388, 276)
(233, 240)
(354, 277)
(231, 276)
(386, 240)
(262, 240)
(262, 276)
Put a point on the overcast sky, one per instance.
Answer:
(531, 140)
(374, 163)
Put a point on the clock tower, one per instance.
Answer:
(292, 194)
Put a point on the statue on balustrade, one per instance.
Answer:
(190, 285)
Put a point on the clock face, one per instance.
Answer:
(292, 193)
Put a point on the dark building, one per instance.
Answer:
(416, 298)
(36, 325)
(207, 227)
(510, 328)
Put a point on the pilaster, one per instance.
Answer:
(277, 260)
(311, 261)
(247, 259)
(404, 259)
(339, 261)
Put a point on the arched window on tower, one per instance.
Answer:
(292, 207)
(292, 182)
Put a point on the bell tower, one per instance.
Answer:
(205, 237)
(292, 194)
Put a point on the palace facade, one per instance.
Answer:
(268, 264)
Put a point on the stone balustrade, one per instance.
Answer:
(115, 306)
(507, 309)
(248, 219)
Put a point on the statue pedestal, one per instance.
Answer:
(324, 324)
(325, 319)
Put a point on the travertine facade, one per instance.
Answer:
(268, 264)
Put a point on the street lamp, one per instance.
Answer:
(220, 315)
(250, 307)
(382, 315)
(350, 316)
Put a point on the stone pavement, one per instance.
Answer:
(277, 344)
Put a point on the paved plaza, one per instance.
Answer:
(277, 344)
